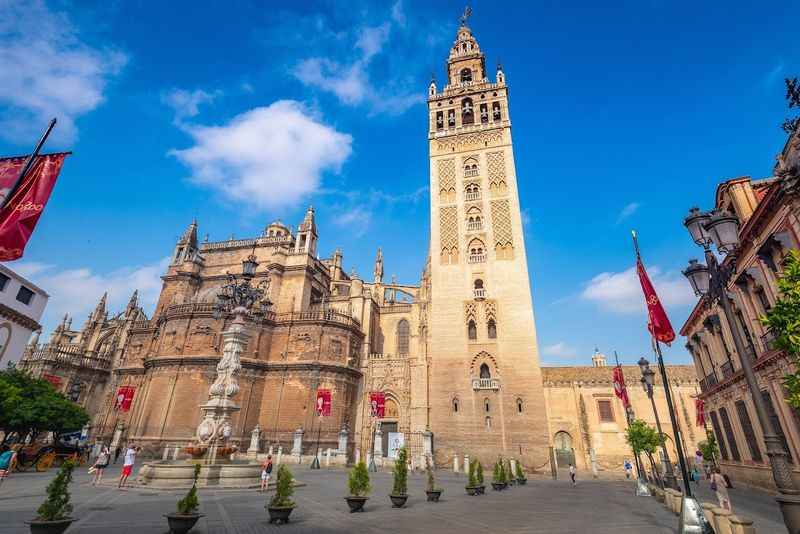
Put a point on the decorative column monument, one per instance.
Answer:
(237, 298)
(255, 438)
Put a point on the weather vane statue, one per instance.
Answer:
(466, 15)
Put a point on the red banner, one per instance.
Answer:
(124, 398)
(619, 386)
(658, 323)
(700, 408)
(53, 379)
(19, 216)
(377, 404)
(323, 402)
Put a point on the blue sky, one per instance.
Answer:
(623, 117)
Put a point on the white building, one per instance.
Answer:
(21, 306)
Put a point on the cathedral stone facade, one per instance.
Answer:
(455, 356)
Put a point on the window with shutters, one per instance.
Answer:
(723, 450)
(472, 330)
(729, 435)
(747, 429)
(776, 422)
(605, 411)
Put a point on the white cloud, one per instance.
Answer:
(356, 220)
(186, 103)
(559, 350)
(627, 211)
(268, 157)
(774, 73)
(526, 217)
(77, 291)
(621, 292)
(350, 81)
(47, 71)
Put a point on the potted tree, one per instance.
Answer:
(52, 517)
(359, 486)
(479, 477)
(509, 474)
(498, 476)
(280, 506)
(185, 518)
(472, 486)
(521, 478)
(399, 494)
(432, 491)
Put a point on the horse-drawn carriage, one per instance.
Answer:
(42, 457)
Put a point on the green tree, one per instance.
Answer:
(284, 489)
(472, 480)
(709, 448)
(783, 320)
(57, 506)
(479, 473)
(32, 405)
(643, 438)
(401, 473)
(358, 482)
(189, 504)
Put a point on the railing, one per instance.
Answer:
(67, 355)
(485, 383)
(711, 379)
(190, 308)
(242, 243)
(727, 370)
(472, 196)
(477, 258)
(479, 293)
(384, 356)
(470, 173)
(474, 225)
(319, 315)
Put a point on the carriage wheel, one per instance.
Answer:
(46, 461)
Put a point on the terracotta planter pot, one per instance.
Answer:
(50, 527)
(473, 490)
(279, 514)
(181, 523)
(398, 501)
(433, 496)
(356, 504)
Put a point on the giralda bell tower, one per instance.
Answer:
(485, 383)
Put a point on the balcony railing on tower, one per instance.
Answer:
(479, 293)
(485, 383)
(472, 195)
(477, 258)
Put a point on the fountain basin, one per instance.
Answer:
(179, 474)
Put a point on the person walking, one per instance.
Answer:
(7, 459)
(628, 468)
(572, 472)
(127, 465)
(719, 486)
(266, 472)
(100, 464)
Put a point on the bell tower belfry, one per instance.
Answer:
(486, 394)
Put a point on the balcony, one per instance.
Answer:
(485, 383)
(474, 226)
(768, 340)
(479, 293)
(470, 173)
(477, 258)
(472, 196)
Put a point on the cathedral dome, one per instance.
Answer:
(277, 229)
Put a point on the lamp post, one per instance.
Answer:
(648, 379)
(710, 281)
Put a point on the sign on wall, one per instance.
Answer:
(323, 402)
(124, 398)
(377, 404)
(396, 442)
(53, 379)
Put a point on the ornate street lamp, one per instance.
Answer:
(711, 281)
(648, 380)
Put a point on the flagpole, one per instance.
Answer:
(628, 411)
(28, 163)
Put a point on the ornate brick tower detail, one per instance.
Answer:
(486, 386)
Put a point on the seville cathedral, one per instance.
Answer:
(455, 356)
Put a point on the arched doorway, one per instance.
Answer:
(389, 427)
(562, 444)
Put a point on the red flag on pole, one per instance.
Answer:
(377, 403)
(700, 408)
(658, 322)
(619, 386)
(18, 217)
(323, 402)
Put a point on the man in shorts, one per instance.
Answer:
(127, 465)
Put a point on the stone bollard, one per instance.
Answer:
(455, 464)
(280, 454)
(741, 525)
(328, 457)
(708, 512)
(466, 464)
(165, 455)
(270, 450)
(722, 520)
(358, 455)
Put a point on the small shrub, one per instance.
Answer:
(431, 479)
(358, 483)
(190, 504)
(472, 480)
(497, 473)
(401, 473)
(284, 488)
(508, 474)
(479, 473)
(57, 506)
(520, 472)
